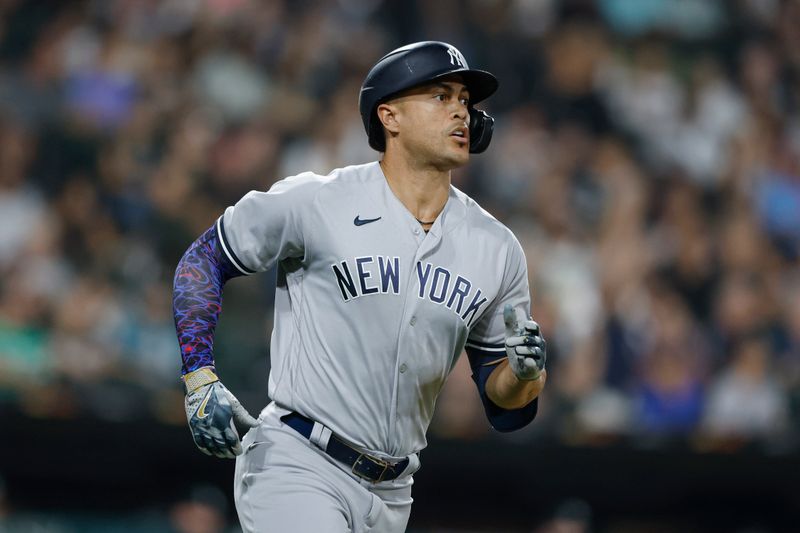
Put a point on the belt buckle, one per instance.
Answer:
(364, 475)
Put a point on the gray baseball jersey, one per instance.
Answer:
(371, 312)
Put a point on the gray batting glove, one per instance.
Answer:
(526, 349)
(211, 410)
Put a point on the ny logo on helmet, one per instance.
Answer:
(456, 58)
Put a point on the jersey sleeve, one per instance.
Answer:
(485, 344)
(489, 333)
(264, 227)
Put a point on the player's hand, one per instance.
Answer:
(525, 346)
(211, 410)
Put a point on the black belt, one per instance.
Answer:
(363, 465)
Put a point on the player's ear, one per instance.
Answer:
(387, 114)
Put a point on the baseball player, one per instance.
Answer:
(386, 272)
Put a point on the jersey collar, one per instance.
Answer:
(453, 213)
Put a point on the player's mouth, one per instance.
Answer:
(460, 134)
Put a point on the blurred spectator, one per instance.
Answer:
(104, 92)
(571, 516)
(22, 207)
(670, 392)
(203, 511)
(746, 399)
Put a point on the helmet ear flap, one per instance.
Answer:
(377, 140)
(481, 127)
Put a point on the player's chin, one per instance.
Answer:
(459, 153)
(451, 161)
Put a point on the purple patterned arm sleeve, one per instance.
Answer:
(197, 298)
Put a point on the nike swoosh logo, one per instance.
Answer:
(201, 411)
(359, 222)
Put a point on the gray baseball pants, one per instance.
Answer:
(285, 484)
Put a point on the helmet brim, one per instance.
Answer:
(481, 84)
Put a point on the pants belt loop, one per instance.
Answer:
(320, 435)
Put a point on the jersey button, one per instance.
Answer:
(416, 231)
(403, 368)
(413, 320)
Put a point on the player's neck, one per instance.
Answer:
(424, 191)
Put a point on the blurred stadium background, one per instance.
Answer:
(647, 154)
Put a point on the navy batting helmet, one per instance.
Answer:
(418, 63)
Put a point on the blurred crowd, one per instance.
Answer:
(646, 154)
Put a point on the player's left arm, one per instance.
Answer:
(509, 392)
(507, 355)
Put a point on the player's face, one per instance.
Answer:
(432, 123)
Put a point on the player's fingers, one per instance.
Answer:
(224, 453)
(531, 326)
(236, 449)
(527, 348)
(217, 445)
(526, 368)
(201, 445)
(524, 350)
(535, 358)
(517, 340)
(532, 369)
(510, 320)
(526, 340)
(229, 438)
(536, 342)
(228, 449)
(531, 351)
(209, 443)
(220, 448)
(532, 363)
(243, 417)
(527, 353)
(240, 414)
(205, 444)
(227, 453)
(230, 435)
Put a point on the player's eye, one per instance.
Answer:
(465, 101)
(440, 96)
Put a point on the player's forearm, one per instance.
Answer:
(197, 299)
(506, 391)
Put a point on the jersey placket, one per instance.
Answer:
(404, 369)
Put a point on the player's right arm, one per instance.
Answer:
(261, 228)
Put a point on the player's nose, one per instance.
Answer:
(460, 111)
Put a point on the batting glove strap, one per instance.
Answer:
(202, 376)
